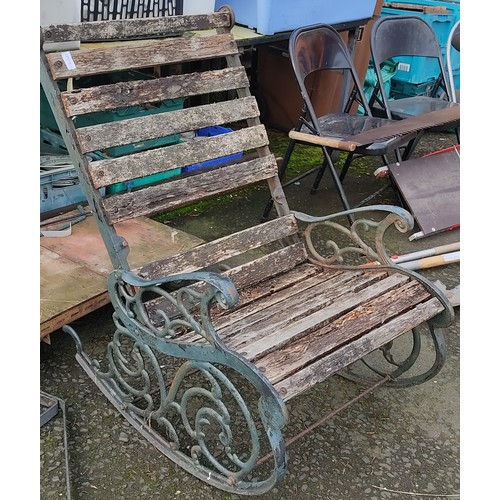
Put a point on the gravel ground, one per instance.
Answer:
(393, 444)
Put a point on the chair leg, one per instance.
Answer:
(319, 176)
(410, 148)
(334, 155)
(338, 183)
(345, 167)
(281, 173)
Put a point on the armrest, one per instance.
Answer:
(165, 313)
(357, 240)
(221, 288)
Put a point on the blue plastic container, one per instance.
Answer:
(208, 132)
(417, 70)
(272, 16)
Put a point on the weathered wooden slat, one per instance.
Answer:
(300, 314)
(106, 172)
(138, 55)
(250, 273)
(260, 280)
(180, 193)
(222, 249)
(133, 130)
(285, 306)
(134, 93)
(261, 302)
(364, 318)
(333, 363)
(123, 29)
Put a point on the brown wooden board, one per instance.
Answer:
(430, 186)
(74, 269)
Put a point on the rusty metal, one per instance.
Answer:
(327, 417)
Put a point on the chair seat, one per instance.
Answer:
(342, 125)
(417, 105)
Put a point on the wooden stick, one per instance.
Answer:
(329, 142)
(429, 252)
(437, 260)
(420, 254)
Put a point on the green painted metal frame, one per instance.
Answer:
(146, 397)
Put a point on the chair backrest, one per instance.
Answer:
(399, 35)
(319, 48)
(452, 43)
(132, 101)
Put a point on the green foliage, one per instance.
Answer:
(303, 157)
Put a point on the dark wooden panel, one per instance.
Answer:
(430, 186)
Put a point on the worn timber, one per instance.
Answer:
(212, 342)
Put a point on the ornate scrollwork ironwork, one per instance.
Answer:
(178, 402)
(332, 253)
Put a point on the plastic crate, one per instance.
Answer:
(104, 10)
(208, 132)
(417, 69)
(143, 181)
(272, 16)
(400, 89)
(59, 187)
(59, 184)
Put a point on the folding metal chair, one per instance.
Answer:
(401, 36)
(319, 48)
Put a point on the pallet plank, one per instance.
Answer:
(96, 61)
(106, 172)
(179, 193)
(92, 31)
(135, 93)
